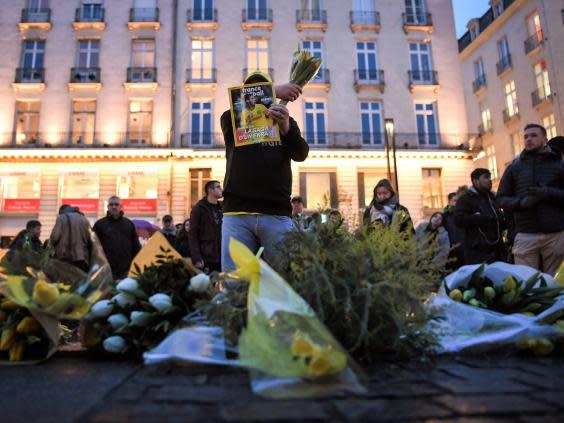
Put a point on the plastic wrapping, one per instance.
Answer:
(462, 327)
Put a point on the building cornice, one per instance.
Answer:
(497, 23)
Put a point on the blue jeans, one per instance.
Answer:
(253, 230)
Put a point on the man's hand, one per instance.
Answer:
(529, 201)
(280, 114)
(288, 92)
(199, 264)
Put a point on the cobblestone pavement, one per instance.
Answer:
(459, 389)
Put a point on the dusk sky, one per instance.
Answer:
(464, 10)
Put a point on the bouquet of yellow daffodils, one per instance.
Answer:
(303, 69)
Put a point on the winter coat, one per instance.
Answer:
(170, 236)
(387, 213)
(437, 239)
(33, 242)
(204, 234)
(120, 243)
(71, 238)
(483, 225)
(543, 169)
(456, 238)
(182, 244)
(258, 177)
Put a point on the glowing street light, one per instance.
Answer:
(391, 138)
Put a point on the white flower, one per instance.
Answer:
(141, 318)
(200, 282)
(115, 344)
(124, 300)
(118, 320)
(162, 302)
(102, 308)
(128, 285)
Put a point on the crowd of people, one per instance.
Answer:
(523, 223)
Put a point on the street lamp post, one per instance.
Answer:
(391, 137)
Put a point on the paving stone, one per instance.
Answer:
(399, 390)
(494, 405)
(556, 399)
(485, 385)
(271, 411)
(197, 394)
(390, 410)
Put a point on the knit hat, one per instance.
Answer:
(256, 77)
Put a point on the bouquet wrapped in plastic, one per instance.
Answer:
(303, 69)
(499, 306)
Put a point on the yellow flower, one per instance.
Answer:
(326, 361)
(248, 265)
(17, 351)
(559, 277)
(7, 338)
(8, 305)
(301, 345)
(28, 326)
(44, 293)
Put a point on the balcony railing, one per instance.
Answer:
(322, 77)
(534, 41)
(141, 74)
(201, 76)
(144, 14)
(36, 15)
(257, 15)
(83, 139)
(247, 72)
(504, 64)
(509, 115)
(539, 96)
(30, 75)
(420, 77)
(479, 83)
(417, 19)
(364, 19)
(311, 16)
(368, 76)
(85, 75)
(84, 14)
(202, 140)
(202, 15)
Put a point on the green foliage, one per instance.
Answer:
(367, 287)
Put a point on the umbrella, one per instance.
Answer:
(145, 229)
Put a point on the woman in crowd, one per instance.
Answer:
(432, 234)
(181, 244)
(385, 209)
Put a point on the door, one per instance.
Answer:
(83, 121)
(421, 66)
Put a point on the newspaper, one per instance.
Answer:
(249, 106)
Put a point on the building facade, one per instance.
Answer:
(99, 97)
(512, 64)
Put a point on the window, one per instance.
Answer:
(80, 189)
(27, 122)
(366, 183)
(474, 30)
(421, 64)
(140, 121)
(497, 7)
(316, 50)
(83, 122)
(20, 192)
(145, 10)
(542, 81)
(549, 123)
(363, 5)
(315, 122)
(432, 188)
(257, 10)
(511, 99)
(503, 49)
(201, 123)
(88, 54)
(138, 191)
(371, 123)
(202, 60)
(492, 163)
(203, 10)
(415, 11)
(33, 54)
(534, 26)
(91, 11)
(143, 54)
(479, 71)
(310, 10)
(517, 143)
(426, 118)
(38, 10)
(257, 55)
(198, 180)
(319, 189)
(485, 118)
(367, 61)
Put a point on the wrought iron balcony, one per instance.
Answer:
(421, 77)
(479, 83)
(89, 14)
(311, 18)
(202, 18)
(201, 76)
(534, 41)
(141, 74)
(504, 65)
(202, 140)
(30, 75)
(540, 96)
(247, 72)
(364, 21)
(83, 139)
(36, 15)
(256, 18)
(510, 115)
(144, 14)
(368, 76)
(322, 77)
(417, 22)
(85, 75)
